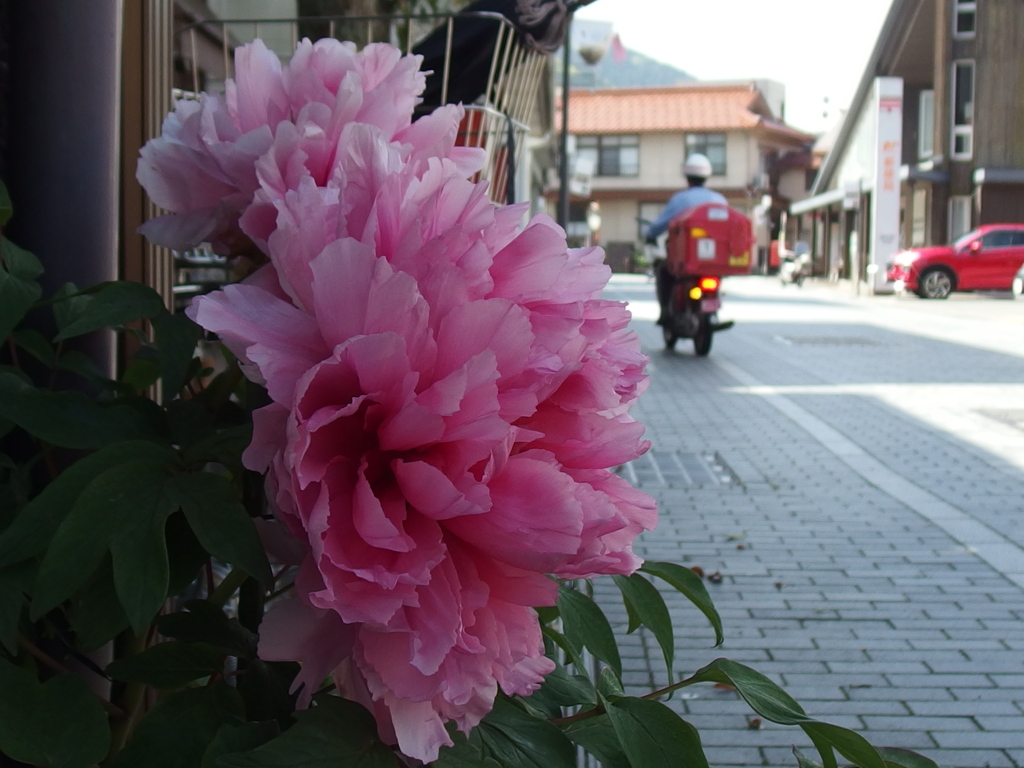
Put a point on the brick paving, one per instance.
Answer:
(871, 560)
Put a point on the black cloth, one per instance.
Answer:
(540, 24)
(664, 283)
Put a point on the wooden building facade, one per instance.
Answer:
(961, 147)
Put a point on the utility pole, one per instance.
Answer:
(563, 150)
(563, 139)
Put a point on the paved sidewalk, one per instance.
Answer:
(871, 562)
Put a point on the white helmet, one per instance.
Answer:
(697, 165)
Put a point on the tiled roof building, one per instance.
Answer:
(636, 139)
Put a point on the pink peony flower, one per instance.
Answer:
(449, 392)
(204, 170)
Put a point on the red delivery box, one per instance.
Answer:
(710, 239)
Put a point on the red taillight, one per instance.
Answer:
(708, 283)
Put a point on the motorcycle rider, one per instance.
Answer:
(697, 169)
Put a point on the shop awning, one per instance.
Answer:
(998, 176)
(917, 173)
(823, 200)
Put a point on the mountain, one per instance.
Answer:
(635, 70)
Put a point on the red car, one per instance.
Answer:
(986, 258)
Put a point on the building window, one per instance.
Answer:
(959, 216)
(711, 145)
(963, 110)
(648, 213)
(612, 155)
(964, 12)
(919, 218)
(925, 125)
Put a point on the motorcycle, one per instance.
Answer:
(693, 313)
(705, 243)
(796, 265)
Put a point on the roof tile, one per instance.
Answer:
(697, 107)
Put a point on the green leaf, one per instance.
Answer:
(16, 485)
(224, 446)
(905, 758)
(142, 373)
(772, 703)
(586, 626)
(111, 305)
(121, 510)
(220, 522)
(18, 287)
(70, 419)
(597, 736)
(239, 738)
(77, 362)
(608, 685)
(168, 665)
(6, 210)
(57, 724)
(574, 655)
(690, 585)
(176, 340)
(464, 754)
(847, 743)
(37, 345)
(204, 622)
(335, 732)
(644, 601)
(764, 696)
(19, 262)
(516, 739)
(67, 304)
(15, 582)
(83, 736)
(565, 690)
(18, 694)
(142, 572)
(186, 554)
(35, 525)
(96, 615)
(181, 727)
(653, 736)
(265, 687)
(802, 761)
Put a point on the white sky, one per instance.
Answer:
(816, 48)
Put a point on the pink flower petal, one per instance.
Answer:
(448, 388)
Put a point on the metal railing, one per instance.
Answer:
(497, 121)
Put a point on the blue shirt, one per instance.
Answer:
(681, 201)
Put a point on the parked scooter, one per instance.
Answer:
(796, 264)
(704, 243)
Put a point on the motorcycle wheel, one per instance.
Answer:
(702, 339)
(669, 337)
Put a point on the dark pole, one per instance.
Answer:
(563, 160)
(563, 152)
(61, 163)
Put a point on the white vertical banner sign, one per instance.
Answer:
(885, 199)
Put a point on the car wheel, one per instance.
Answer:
(669, 337)
(1017, 287)
(936, 283)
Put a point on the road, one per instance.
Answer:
(853, 468)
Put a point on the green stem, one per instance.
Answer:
(59, 668)
(227, 587)
(600, 710)
(133, 702)
(13, 348)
